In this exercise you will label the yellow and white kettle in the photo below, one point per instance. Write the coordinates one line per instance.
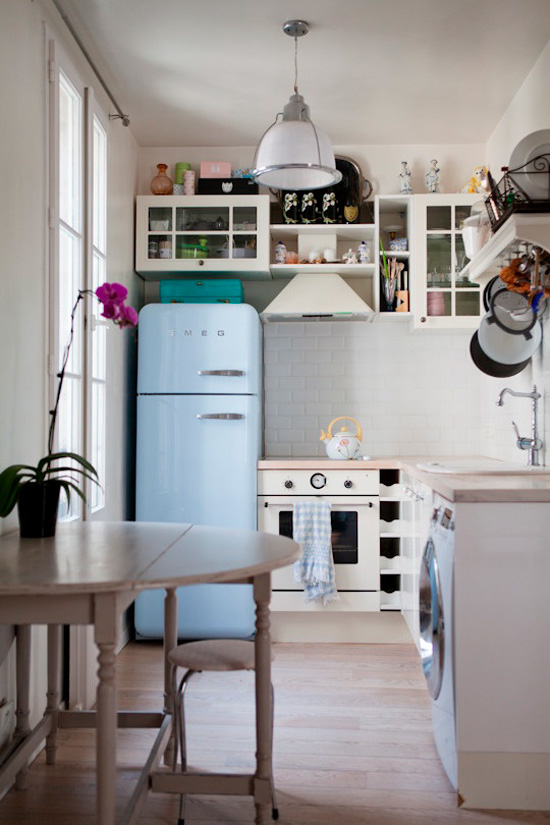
(342, 445)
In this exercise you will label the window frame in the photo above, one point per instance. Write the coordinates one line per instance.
(87, 318)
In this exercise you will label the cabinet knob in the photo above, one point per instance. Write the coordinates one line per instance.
(289, 484)
(348, 484)
(422, 320)
(201, 262)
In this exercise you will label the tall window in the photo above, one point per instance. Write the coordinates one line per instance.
(78, 206)
(99, 325)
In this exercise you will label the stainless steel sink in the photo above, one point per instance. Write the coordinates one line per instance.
(486, 466)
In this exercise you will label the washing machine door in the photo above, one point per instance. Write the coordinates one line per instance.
(432, 624)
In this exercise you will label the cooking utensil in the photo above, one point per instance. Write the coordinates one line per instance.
(490, 367)
(512, 311)
(506, 347)
(491, 287)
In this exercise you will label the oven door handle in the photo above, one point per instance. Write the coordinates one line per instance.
(365, 504)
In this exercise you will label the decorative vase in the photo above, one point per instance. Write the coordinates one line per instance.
(37, 509)
(161, 183)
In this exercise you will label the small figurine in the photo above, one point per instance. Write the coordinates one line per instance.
(349, 257)
(363, 253)
(330, 208)
(405, 175)
(291, 208)
(280, 253)
(432, 177)
(477, 183)
(309, 207)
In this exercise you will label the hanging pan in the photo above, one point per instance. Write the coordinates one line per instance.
(490, 367)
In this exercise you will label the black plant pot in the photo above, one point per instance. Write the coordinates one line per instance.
(37, 509)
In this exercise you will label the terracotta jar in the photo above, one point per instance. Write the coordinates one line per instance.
(161, 183)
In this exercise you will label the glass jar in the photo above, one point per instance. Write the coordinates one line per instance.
(161, 183)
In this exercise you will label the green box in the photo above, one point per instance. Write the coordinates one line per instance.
(203, 291)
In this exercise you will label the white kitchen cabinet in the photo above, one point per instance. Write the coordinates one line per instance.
(201, 234)
(416, 508)
(304, 238)
(442, 298)
(393, 218)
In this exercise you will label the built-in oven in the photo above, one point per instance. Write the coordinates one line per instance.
(354, 499)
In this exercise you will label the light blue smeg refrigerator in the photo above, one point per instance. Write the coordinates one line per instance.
(198, 442)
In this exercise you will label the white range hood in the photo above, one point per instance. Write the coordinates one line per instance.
(319, 296)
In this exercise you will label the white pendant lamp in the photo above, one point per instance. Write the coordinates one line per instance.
(293, 153)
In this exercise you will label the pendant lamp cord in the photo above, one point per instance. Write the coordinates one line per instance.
(295, 65)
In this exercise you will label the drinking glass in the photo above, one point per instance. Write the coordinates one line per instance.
(388, 285)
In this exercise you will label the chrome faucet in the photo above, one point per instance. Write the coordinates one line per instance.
(533, 444)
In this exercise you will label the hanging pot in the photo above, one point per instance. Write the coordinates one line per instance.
(490, 367)
(37, 509)
(504, 346)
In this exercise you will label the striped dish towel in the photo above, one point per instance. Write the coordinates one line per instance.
(315, 569)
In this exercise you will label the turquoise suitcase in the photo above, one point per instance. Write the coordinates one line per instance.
(206, 291)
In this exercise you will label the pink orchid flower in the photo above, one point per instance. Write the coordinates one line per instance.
(112, 296)
(114, 293)
(128, 316)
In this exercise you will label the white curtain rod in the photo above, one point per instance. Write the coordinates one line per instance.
(120, 114)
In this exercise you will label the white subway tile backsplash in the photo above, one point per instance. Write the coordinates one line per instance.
(411, 393)
(275, 370)
(292, 383)
(278, 396)
(307, 370)
(315, 356)
(277, 422)
(307, 450)
(292, 408)
(292, 436)
(335, 342)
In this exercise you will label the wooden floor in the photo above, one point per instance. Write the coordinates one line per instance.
(353, 745)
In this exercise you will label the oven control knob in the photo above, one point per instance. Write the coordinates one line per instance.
(318, 480)
(289, 484)
(348, 484)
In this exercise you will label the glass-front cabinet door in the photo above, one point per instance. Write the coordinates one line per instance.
(443, 297)
(202, 233)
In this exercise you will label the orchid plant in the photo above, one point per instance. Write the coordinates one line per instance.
(61, 466)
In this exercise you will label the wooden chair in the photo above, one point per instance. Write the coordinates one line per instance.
(207, 655)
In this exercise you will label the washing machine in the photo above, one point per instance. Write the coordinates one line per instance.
(436, 629)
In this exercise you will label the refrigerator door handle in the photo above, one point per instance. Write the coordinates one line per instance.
(222, 416)
(231, 373)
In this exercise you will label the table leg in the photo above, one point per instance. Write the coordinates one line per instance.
(106, 631)
(170, 641)
(22, 711)
(262, 796)
(54, 676)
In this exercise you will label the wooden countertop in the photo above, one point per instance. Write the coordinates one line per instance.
(521, 486)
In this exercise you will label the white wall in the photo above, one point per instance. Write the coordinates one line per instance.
(23, 273)
(379, 164)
